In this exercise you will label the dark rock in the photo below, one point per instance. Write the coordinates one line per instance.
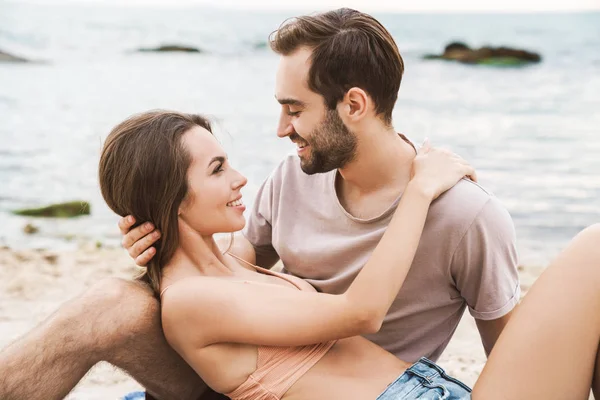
(6, 57)
(30, 229)
(170, 48)
(456, 46)
(498, 56)
(60, 210)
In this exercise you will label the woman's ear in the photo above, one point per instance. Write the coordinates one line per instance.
(185, 203)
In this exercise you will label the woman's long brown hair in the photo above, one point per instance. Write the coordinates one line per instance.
(143, 173)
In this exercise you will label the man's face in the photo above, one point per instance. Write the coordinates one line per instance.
(324, 142)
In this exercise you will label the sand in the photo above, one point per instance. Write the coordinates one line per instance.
(33, 283)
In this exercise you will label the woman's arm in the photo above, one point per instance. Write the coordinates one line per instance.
(210, 310)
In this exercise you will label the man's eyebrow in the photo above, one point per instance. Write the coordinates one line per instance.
(291, 102)
(220, 159)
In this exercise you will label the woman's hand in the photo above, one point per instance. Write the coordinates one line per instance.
(434, 171)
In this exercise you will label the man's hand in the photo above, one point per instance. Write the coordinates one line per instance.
(138, 241)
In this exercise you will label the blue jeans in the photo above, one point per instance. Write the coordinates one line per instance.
(134, 396)
(425, 380)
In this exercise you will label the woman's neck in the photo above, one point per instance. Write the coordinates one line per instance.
(196, 255)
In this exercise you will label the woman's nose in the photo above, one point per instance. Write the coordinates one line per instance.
(240, 181)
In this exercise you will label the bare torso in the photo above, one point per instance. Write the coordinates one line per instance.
(354, 368)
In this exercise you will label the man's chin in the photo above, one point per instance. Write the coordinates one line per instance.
(311, 168)
(307, 167)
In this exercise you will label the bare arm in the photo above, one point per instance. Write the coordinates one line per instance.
(227, 309)
(490, 331)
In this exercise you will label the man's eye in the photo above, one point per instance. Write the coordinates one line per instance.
(293, 113)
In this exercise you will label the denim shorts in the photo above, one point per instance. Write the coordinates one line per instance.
(134, 396)
(425, 380)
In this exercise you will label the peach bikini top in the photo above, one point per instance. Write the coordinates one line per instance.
(277, 368)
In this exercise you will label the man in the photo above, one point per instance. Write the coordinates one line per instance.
(321, 212)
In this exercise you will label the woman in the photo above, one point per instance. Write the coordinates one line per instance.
(255, 334)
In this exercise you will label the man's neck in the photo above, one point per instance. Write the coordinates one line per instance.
(383, 160)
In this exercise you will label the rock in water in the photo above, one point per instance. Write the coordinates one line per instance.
(496, 56)
(30, 229)
(60, 210)
(169, 48)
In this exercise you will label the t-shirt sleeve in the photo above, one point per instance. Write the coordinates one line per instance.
(258, 229)
(484, 265)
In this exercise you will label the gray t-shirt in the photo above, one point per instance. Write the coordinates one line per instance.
(466, 257)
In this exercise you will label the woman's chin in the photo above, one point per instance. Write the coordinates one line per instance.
(238, 224)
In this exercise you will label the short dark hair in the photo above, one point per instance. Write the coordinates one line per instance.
(349, 49)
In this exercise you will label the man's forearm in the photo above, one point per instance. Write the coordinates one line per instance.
(490, 331)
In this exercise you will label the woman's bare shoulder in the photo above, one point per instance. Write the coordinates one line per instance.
(188, 290)
(192, 302)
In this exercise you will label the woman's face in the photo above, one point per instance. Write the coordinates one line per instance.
(214, 201)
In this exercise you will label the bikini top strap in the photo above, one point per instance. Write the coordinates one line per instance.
(164, 290)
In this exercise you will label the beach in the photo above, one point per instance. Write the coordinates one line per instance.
(532, 132)
(33, 283)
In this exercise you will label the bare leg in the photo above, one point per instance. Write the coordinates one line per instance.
(115, 321)
(48, 361)
(549, 349)
(596, 381)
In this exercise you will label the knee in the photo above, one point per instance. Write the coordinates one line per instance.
(116, 292)
(593, 230)
(590, 237)
(584, 251)
(124, 307)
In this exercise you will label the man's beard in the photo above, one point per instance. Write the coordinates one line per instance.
(332, 145)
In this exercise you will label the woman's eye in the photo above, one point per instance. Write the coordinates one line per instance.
(219, 169)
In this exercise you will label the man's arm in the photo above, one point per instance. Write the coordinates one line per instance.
(490, 331)
(484, 269)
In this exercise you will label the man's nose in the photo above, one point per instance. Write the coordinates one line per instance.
(285, 127)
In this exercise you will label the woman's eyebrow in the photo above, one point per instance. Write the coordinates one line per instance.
(220, 159)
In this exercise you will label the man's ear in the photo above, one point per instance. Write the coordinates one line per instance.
(355, 105)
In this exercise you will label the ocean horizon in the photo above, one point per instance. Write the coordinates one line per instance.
(532, 132)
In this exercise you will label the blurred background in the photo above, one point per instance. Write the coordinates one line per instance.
(531, 131)
(70, 71)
